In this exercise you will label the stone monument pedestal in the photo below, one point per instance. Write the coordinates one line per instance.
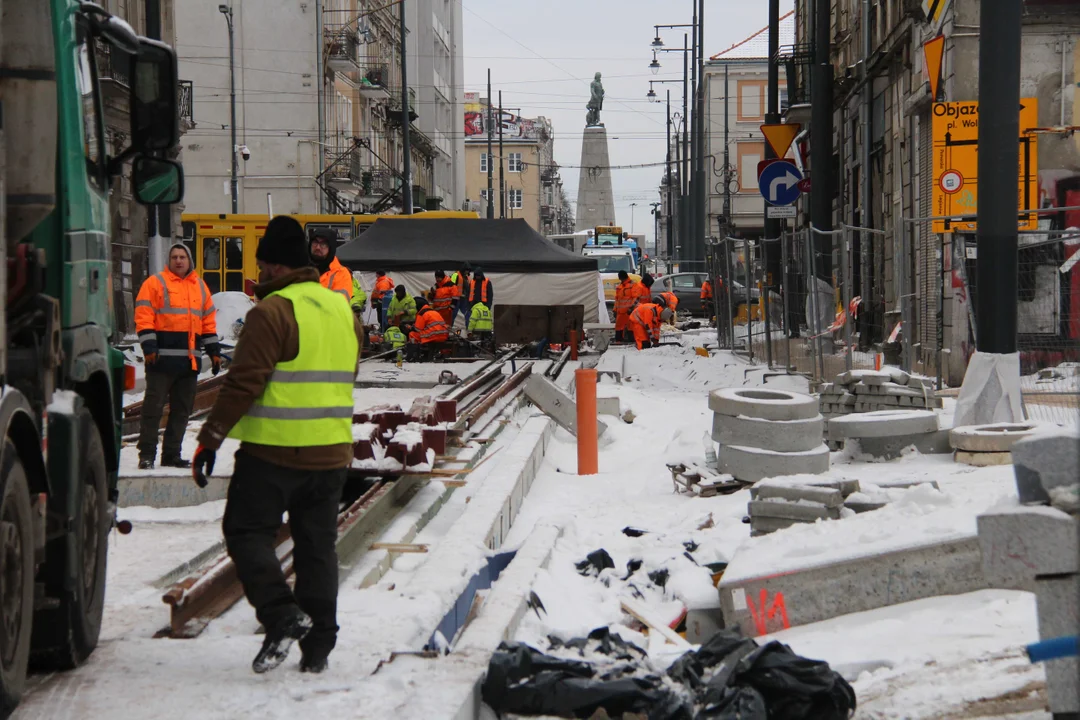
(595, 201)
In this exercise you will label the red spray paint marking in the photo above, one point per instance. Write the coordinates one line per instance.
(768, 611)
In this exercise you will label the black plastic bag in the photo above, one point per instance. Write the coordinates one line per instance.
(732, 703)
(794, 687)
(595, 562)
(603, 641)
(523, 680)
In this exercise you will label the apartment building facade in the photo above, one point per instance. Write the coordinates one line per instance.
(319, 105)
(532, 185)
(908, 272)
(736, 83)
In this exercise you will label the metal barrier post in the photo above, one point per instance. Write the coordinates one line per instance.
(845, 274)
(749, 307)
(765, 299)
(730, 309)
(786, 292)
(811, 277)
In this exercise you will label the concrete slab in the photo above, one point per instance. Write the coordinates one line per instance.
(765, 525)
(1048, 460)
(827, 496)
(556, 403)
(754, 464)
(782, 436)
(167, 491)
(1057, 600)
(1022, 542)
(803, 511)
(773, 602)
(608, 405)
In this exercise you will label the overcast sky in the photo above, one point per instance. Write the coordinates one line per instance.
(543, 55)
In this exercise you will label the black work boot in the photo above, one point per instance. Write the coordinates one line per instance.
(146, 463)
(174, 461)
(279, 640)
(313, 664)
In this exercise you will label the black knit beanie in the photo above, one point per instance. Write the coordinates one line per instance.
(284, 243)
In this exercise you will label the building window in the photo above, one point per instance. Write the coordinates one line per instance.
(750, 154)
(483, 195)
(483, 162)
(751, 100)
(513, 163)
(516, 199)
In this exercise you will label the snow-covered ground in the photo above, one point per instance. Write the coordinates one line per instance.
(950, 657)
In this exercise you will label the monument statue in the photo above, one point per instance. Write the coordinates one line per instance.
(596, 102)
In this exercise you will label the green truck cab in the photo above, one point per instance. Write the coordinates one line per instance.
(60, 380)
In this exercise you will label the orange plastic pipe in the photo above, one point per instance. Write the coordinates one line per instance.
(587, 452)
(573, 345)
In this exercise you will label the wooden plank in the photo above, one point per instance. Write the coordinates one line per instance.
(641, 612)
(400, 547)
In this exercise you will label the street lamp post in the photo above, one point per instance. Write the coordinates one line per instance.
(687, 212)
(406, 120)
(226, 10)
(632, 206)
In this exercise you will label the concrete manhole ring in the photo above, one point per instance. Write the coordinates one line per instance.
(983, 459)
(995, 437)
(763, 404)
(782, 436)
(883, 424)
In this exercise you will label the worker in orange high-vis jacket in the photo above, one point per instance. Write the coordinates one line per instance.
(175, 321)
(384, 288)
(645, 322)
(625, 297)
(480, 290)
(671, 301)
(643, 290)
(443, 296)
(430, 327)
(332, 274)
(707, 298)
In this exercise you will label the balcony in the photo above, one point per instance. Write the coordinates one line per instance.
(373, 84)
(114, 75)
(184, 101)
(796, 60)
(342, 50)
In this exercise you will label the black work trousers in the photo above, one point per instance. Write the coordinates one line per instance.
(178, 389)
(259, 494)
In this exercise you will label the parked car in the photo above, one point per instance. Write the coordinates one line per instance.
(687, 287)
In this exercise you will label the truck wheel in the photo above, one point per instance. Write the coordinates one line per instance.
(16, 578)
(70, 633)
(92, 542)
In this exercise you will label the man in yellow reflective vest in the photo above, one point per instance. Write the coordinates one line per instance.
(482, 325)
(290, 404)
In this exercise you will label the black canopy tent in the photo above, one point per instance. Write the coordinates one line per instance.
(497, 246)
(541, 290)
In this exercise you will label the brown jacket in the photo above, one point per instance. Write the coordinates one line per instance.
(270, 336)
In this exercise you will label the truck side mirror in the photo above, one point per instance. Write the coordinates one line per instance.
(156, 181)
(155, 120)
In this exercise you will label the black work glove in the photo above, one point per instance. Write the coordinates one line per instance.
(202, 465)
(215, 363)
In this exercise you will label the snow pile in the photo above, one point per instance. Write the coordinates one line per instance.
(232, 308)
